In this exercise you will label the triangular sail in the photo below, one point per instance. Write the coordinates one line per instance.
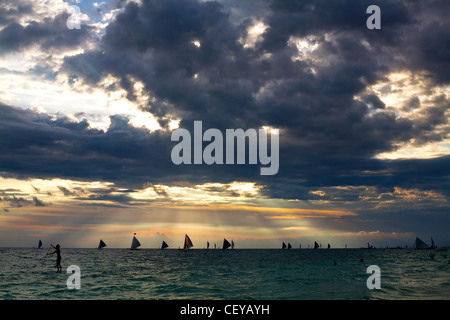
(101, 244)
(316, 245)
(135, 243)
(433, 245)
(283, 246)
(226, 244)
(232, 244)
(207, 244)
(164, 245)
(329, 246)
(40, 244)
(289, 246)
(187, 242)
(419, 244)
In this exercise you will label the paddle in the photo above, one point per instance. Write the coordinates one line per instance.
(45, 258)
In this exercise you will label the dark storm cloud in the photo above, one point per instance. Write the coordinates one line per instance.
(432, 48)
(158, 190)
(51, 33)
(44, 147)
(18, 202)
(302, 18)
(153, 43)
(9, 14)
(66, 191)
(41, 146)
(118, 199)
(161, 53)
(39, 203)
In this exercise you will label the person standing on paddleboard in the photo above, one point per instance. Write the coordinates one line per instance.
(58, 256)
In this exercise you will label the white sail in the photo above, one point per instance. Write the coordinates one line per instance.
(135, 243)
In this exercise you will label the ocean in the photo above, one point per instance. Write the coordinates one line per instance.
(239, 274)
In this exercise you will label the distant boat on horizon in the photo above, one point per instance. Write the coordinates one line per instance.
(369, 246)
(433, 245)
(135, 243)
(289, 246)
(101, 244)
(164, 245)
(329, 246)
(232, 244)
(419, 244)
(283, 246)
(187, 243)
(40, 245)
(226, 244)
(316, 245)
(207, 244)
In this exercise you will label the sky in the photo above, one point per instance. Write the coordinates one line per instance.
(87, 114)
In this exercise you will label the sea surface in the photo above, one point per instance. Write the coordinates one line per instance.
(240, 274)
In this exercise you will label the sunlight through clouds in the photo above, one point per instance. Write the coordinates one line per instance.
(87, 116)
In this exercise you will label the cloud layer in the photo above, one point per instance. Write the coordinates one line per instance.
(341, 95)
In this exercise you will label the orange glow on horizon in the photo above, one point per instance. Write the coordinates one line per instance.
(294, 212)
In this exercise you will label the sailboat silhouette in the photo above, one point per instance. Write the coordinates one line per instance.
(101, 244)
(135, 243)
(226, 244)
(187, 243)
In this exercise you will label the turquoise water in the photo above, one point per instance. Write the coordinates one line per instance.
(260, 274)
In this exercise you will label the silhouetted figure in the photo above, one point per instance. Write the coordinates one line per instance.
(58, 256)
